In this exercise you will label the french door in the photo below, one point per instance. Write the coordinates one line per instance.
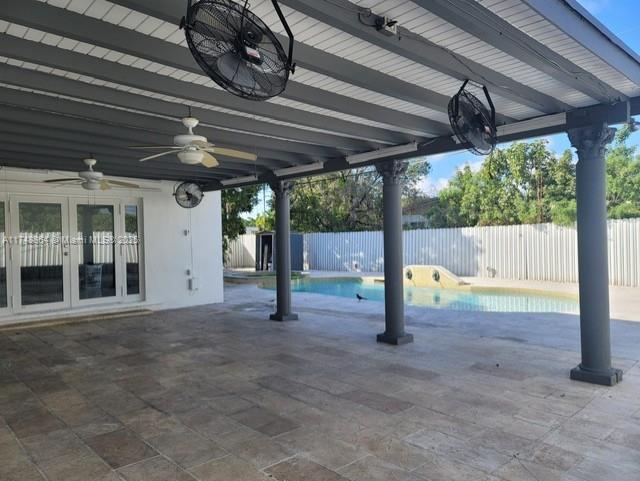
(59, 253)
(39, 253)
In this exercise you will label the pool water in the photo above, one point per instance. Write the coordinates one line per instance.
(495, 300)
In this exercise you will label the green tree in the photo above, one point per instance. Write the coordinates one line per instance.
(234, 203)
(523, 183)
(623, 177)
(343, 201)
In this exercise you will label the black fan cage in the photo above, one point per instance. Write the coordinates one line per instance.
(471, 123)
(219, 32)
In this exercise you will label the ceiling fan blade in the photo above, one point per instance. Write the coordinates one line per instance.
(119, 183)
(52, 181)
(104, 185)
(152, 147)
(155, 156)
(209, 160)
(238, 154)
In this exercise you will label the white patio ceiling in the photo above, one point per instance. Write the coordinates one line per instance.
(93, 76)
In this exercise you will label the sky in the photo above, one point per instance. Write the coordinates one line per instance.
(619, 16)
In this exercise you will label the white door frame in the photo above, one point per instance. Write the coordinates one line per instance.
(136, 201)
(75, 253)
(7, 257)
(16, 291)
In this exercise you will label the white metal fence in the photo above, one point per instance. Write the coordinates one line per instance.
(529, 252)
(544, 252)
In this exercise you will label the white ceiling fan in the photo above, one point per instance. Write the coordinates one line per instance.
(194, 149)
(93, 180)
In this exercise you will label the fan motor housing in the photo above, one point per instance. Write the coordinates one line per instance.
(91, 176)
(187, 139)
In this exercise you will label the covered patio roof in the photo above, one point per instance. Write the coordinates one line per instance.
(80, 77)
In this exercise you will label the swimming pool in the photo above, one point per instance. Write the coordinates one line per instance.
(463, 299)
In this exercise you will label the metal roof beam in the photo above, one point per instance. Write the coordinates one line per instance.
(344, 15)
(64, 86)
(19, 121)
(316, 60)
(475, 19)
(155, 124)
(106, 35)
(598, 40)
(541, 126)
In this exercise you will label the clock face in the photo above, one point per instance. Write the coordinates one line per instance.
(188, 195)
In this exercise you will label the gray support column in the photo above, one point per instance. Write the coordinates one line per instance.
(394, 333)
(281, 190)
(591, 142)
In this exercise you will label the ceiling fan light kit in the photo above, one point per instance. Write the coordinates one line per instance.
(190, 157)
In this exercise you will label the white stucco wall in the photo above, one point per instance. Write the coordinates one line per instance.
(175, 241)
(168, 250)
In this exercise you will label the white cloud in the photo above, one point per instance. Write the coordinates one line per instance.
(475, 166)
(436, 157)
(431, 187)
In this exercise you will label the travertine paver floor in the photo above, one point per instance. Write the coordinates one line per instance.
(218, 393)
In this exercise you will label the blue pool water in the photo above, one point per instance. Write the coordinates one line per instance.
(498, 300)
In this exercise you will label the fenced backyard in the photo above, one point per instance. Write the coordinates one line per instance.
(541, 252)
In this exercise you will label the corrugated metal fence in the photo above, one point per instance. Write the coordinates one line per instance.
(527, 252)
(242, 252)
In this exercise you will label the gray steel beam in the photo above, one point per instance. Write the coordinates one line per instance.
(317, 60)
(581, 117)
(63, 86)
(106, 35)
(595, 324)
(156, 124)
(344, 15)
(570, 17)
(394, 332)
(281, 191)
(54, 57)
(477, 20)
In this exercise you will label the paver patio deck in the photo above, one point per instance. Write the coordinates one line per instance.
(218, 393)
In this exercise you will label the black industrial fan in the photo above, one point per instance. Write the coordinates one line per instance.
(236, 48)
(472, 123)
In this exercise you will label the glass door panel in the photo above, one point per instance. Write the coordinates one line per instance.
(131, 248)
(42, 256)
(96, 251)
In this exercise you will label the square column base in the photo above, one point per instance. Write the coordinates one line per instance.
(394, 340)
(608, 377)
(283, 317)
